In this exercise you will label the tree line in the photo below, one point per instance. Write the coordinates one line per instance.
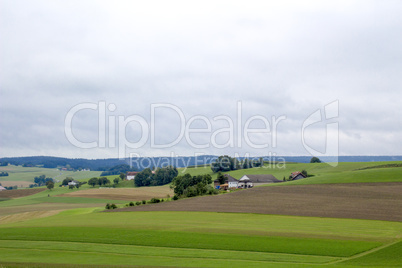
(3, 174)
(161, 176)
(226, 163)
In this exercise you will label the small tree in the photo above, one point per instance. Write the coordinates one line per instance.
(93, 181)
(315, 160)
(304, 172)
(221, 178)
(50, 185)
(71, 187)
(122, 176)
(116, 180)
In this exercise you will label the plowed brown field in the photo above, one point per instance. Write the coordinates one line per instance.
(20, 193)
(375, 201)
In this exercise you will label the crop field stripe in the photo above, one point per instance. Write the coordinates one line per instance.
(387, 255)
(143, 237)
(168, 252)
(76, 257)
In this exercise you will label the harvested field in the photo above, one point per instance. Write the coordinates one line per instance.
(374, 201)
(18, 183)
(27, 216)
(20, 193)
(129, 194)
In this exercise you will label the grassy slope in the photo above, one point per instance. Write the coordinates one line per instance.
(323, 173)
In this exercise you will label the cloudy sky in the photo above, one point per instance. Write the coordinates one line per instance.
(100, 79)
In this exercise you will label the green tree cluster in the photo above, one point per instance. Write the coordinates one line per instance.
(315, 160)
(226, 163)
(188, 186)
(162, 176)
(41, 181)
(98, 181)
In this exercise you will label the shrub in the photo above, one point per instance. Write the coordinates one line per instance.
(154, 200)
(144, 202)
(131, 204)
(138, 203)
(107, 206)
(113, 206)
(175, 197)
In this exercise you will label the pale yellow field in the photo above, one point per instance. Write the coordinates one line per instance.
(20, 184)
(130, 194)
(27, 216)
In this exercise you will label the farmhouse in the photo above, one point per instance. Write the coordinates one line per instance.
(230, 182)
(131, 175)
(73, 183)
(2, 188)
(248, 181)
(297, 176)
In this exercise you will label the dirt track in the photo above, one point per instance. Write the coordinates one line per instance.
(375, 201)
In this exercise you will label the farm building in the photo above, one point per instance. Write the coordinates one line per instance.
(2, 188)
(131, 175)
(297, 176)
(248, 181)
(230, 182)
(73, 183)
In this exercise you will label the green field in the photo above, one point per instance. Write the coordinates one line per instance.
(77, 232)
(197, 239)
(19, 173)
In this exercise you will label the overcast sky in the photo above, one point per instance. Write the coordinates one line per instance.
(274, 59)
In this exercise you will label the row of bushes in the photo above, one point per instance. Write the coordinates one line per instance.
(138, 203)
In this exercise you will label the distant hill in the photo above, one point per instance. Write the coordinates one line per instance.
(181, 161)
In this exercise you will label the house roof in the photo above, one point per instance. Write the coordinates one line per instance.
(295, 174)
(132, 173)
(230, 178)
(2, 188)
(261, 178)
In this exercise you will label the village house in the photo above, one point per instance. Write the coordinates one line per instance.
(73, 183)
(249, 181)
(297, 176)
(2, 188)
(131, 175)
(230, 182)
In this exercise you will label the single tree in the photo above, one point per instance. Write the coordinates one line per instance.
(315, 160)
(116, 180)
(122, 176)
(221, 178)
(50, 185)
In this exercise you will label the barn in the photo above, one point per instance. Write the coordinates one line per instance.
(249, 181)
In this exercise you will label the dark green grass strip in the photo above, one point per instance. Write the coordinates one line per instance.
(141, 237)
(388, 256)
